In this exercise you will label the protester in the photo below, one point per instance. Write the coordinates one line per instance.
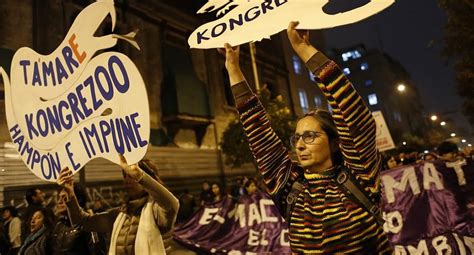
(206, 195)
(448, 151)
(143, 225)
(4, 240)
(71, 240)
(430, 156)
(186, 206)
(391, 161)
(251, 186)
(238, 188)
(217, 192)
(35, 199)
(324, 219)
(40, 240)
(12, 229)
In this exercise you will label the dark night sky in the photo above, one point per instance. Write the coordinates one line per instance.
(410, 32)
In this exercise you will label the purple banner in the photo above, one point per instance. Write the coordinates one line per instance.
(250, 226)
(428, 208)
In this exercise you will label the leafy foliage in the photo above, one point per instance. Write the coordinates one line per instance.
(459, 44)
(234, 143)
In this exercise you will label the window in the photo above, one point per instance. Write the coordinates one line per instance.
(303, 100)
(346, 70)
(296, 64)
(312, 77)
(350, 55)
(318, 102)
(368, 83)
(397, 116)
(364, 66)
(373, 99)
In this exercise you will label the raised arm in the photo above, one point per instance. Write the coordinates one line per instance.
(168, 203)
(101, 222)
(272, 157)
(354, 121)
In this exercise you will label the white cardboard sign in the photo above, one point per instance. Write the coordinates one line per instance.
(383, 138)
(69, 107)
(254, 20)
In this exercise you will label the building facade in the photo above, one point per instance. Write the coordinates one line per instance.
(188, 89)
(377, 78)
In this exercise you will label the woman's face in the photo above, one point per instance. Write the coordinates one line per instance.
(61, 204)
(316, 155)
(392, 163)
(252, 188)
(36, 221)
(216, 190)
(6, 214)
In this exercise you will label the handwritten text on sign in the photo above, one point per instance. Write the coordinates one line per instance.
(69, 107)
(253, 20)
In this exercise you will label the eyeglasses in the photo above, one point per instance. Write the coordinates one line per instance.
(308, 137)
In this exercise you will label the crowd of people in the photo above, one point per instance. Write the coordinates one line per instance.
(447, 151)
(323, 215)
(142, 225)
(214, 192)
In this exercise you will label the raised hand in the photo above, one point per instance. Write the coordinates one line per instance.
(299, 40)
(131, 170)
(65, 180)
(232, 56)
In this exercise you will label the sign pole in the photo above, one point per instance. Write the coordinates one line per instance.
(253, 54)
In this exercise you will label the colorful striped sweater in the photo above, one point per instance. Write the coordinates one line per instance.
(324, 220)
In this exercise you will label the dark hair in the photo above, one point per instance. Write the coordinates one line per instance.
(48, 217)
(325, 120)
(387, 158)
(13, 211)
(221, 191)
(447, 147)
(30, 193)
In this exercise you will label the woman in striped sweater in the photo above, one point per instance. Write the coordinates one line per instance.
(323, 220)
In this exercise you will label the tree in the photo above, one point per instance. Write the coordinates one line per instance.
(234, 142)
(459, 44)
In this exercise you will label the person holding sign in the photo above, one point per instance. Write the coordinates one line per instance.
(323, 217)
(142, 224)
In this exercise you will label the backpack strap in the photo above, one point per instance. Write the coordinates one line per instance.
(296, 189)
(349, 185)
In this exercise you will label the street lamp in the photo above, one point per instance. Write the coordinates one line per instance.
(443, 123)
(470, 145)
(404, 143)
(463, 140)
(453, 134)
(434, 117)
(401, 87)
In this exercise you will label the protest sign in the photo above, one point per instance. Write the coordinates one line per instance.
(383, 138)
(428, 208)
(253, 20)
(250, 226)
(69, 107)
